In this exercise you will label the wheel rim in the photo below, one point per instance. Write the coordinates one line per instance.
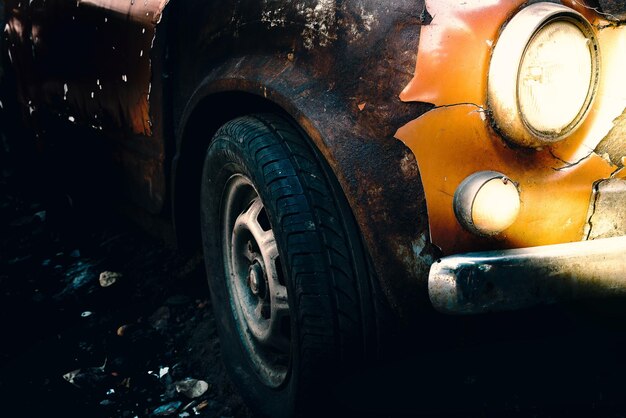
(256, 286)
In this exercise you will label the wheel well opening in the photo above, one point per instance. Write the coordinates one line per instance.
(207, 117)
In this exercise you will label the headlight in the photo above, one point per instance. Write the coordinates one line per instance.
(543, 74)
(486, 203)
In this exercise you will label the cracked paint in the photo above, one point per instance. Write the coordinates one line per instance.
(456, 139)
(607, 213)
(613, 10)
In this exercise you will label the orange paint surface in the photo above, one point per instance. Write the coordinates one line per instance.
(455, 139)
(555, 195)
(454, 51)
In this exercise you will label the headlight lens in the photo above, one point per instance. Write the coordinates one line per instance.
(555, 78)
(543, 74)
(486, 203)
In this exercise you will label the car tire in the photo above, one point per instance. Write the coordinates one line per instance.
(286, 267)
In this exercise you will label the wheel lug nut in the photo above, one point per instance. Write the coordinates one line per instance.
(255, 279)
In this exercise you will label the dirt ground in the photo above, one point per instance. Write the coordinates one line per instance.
(72, 347)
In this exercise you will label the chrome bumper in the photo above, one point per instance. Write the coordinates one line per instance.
(514, 279)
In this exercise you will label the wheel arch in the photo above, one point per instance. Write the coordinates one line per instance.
(213, 104)
(377, 174)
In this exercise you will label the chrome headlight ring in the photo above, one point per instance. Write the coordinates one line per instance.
(544, 74)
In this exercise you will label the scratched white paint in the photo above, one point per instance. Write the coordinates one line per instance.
(273, 17)
(320, 21)
(356, 29)
(419, 247)
(368, 19)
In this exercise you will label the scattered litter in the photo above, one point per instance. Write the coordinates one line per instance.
(81, 274)
(94, 378)
(22, 221)
(122, 330)
(189, 405)
(162, 372)
(167, 409)
(111, 240)
(192, 388)
(160, 317)
(17, 260)
(200, 406)
(78, 287)
(71, 375)
(107, 278)
(41, 215)
(177, 300)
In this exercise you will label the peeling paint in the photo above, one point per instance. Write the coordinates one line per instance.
(368, 19)
(319, 27)
(274, 17)
(613, 144)
(455, 140)
(607, 212)
(363, 22)
(421, 251)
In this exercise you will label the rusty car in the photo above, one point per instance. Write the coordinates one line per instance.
(346, 162)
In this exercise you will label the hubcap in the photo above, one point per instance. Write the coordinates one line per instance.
(256, 279)
(258, 294)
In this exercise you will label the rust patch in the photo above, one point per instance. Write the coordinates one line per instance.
(613, 9)
(456, 139)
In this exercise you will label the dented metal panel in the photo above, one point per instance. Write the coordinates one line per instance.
(520, 278)
(457, 138)
(89, 62)
(336, 68)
